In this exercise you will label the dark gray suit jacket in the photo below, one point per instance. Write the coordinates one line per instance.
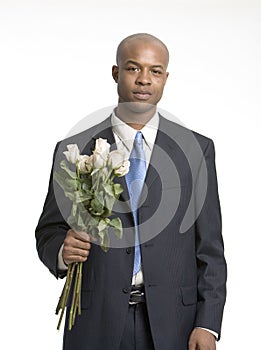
(182, 248)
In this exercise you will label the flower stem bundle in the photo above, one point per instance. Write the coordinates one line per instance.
(91, 189)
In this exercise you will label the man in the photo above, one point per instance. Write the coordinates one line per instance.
(175, 298)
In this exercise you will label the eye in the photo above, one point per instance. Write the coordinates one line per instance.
(156, 72)
(133, 69)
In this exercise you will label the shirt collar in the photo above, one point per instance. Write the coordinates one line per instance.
(127, 134)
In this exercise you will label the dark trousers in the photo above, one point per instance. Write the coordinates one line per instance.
(137, 334)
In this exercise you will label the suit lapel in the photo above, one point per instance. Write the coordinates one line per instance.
(161, 154)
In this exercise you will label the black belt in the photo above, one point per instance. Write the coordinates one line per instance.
(137, 295)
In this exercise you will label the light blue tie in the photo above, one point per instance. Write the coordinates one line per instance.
(135, 180)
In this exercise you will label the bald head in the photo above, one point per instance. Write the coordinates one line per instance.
(140, 38)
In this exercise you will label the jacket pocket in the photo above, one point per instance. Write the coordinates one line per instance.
(189, 295)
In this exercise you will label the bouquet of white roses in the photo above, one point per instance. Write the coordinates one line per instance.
(92, 191)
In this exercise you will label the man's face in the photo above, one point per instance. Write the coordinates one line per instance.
(141, 74)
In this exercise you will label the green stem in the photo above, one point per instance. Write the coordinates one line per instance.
(108, 176)
(74, 304)
(65, 293)
(76, 297)
(79, 291)
(77, 170)
(98, 181)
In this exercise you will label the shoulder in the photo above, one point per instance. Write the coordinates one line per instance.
(86, 137)
(88, 133)
(85, 140)
(183, 134)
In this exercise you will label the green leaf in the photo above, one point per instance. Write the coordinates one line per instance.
(117, 189)
(74, 209)
(71, 184)
(117, 225)
(104, 239)
(109, 202)
(60, 179)
(72, 221)
(100, 197)
(64, 166)
(109, 189)
(86, 185)
(96, 207)
(81, 224)
(93, 223)
(102, 225)
(68, 185)
(79, 197)
(69, 194)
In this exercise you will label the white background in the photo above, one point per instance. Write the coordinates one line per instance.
(55, 68)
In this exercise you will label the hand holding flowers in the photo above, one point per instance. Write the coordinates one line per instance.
(92, 191)
(76, 247)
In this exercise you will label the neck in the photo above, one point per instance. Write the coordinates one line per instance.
(135, 115)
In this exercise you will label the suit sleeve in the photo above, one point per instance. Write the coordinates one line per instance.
(211, 262)
(51, 229)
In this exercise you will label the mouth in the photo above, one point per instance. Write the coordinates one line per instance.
(142, 95)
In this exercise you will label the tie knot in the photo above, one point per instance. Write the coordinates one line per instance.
(138, 137)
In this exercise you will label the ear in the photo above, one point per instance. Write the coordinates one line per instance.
(115, 71)
(166, 77)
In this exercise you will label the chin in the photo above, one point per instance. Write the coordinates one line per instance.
(139, 107)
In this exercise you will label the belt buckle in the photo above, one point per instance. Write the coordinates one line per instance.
(138, 293)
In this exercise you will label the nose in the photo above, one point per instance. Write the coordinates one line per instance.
(143, 78)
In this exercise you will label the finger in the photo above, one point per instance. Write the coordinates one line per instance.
(75, 255)
(74, 259)
(75, 251)
(74, 242)
(79, 244)
(83, 236)
(80, 235)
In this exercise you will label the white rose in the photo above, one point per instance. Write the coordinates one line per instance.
(73, 153)
(85, 164)
(89, 163)
(98, 160)
(100, 153)
(123, 169)
(116, 158)
(102, 147)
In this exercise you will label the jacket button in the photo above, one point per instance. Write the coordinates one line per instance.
(125, 290)
(128, 250)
